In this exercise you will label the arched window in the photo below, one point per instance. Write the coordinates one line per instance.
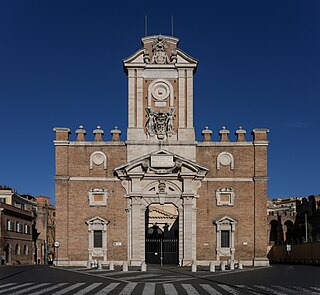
(17, 249)
(26, 250)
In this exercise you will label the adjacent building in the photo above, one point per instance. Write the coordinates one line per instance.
(16, 234)
(160, 196)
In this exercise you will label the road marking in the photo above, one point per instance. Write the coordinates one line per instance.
(108, 289)
(249, 289)
(16, 287)
(128, 289)
(6, 285)
(88, 289)
(48, 289)
(210, 289)
(149, 288)
(66, 290)
(144, 276)
(284, 289)
(37, 286)
(307, 291)
(272, 291)
(170, 289)
(190, 289)
(229, 289)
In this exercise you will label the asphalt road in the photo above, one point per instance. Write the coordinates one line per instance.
(277, 279)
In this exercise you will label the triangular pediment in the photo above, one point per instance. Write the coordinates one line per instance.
(160, 162)
(97, 220)
(225, 219)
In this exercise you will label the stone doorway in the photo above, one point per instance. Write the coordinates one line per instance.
(162, 234)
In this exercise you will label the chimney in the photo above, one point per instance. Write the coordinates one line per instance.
(206, 134)
(224, 134)
(81, 134)
(98, 134)
(62, 134)
(115, 134)
(240, 133)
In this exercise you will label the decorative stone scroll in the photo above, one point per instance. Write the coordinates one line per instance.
(160, 124)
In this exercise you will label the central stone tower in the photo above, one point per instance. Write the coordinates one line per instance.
(160, 98)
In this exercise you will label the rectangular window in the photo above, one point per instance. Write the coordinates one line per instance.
(225, 239)
(18, 227)
(97, 238)
(26, 229)
(10, 225)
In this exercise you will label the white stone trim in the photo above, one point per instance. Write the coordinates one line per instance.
(160, 74)
(139, 99)
(228, 179)
(97, 223)
(182, 96)
(90, 178)
(154, 82)
(222, 156)
(98, 191)
(98, 158)
(229, 224)
(230, 192)
(189, 95)
(219, 143)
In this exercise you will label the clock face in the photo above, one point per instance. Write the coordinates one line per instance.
(160, 91)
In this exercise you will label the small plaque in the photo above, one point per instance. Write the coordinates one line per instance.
(162, 161)
(115, 244)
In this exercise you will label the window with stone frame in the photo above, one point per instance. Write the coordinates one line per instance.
(98, 197)
(225, 196)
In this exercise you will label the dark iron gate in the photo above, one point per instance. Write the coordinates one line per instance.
(162, 251)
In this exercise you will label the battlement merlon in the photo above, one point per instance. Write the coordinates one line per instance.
(62, 134)
(260, 136)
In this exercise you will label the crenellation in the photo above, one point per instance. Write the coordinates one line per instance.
(224, 134)
(98, 134)
(81, 134)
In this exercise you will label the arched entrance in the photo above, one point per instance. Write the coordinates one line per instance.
(162, 234)
(161, 178)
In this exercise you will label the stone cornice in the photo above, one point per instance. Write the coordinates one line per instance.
(219, 143)
(237, 179)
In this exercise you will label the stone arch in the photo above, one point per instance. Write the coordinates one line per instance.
(98, 158)
(225, 159)
(276, 232)
(288, 231)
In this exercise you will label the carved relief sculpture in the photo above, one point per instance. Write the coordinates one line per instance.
(160, 124)
(159, 50)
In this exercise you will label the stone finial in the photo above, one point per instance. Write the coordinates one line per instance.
(81, 134)
(98, 134)
(62, 134)
(224, 134)
(240, 133)
(260, 134)
(115, 134)
(206, 133)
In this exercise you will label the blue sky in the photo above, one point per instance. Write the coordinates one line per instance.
(61, 66)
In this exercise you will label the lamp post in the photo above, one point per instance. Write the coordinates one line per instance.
(57, 245)
(306, 225)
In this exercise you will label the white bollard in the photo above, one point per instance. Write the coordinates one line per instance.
(111, 265)
(99, 264)
(212, 267)
(240, 266)
(125, 266)
(232, 265)
(193, 267)
(143, 266)
(223, 265)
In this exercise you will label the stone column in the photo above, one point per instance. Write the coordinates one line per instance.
(140, 109)
(137, 233)
(131, 97)
(188, 234)
(189, 111)
(182, 97)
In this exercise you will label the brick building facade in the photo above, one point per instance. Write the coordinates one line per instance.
(210, 197)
